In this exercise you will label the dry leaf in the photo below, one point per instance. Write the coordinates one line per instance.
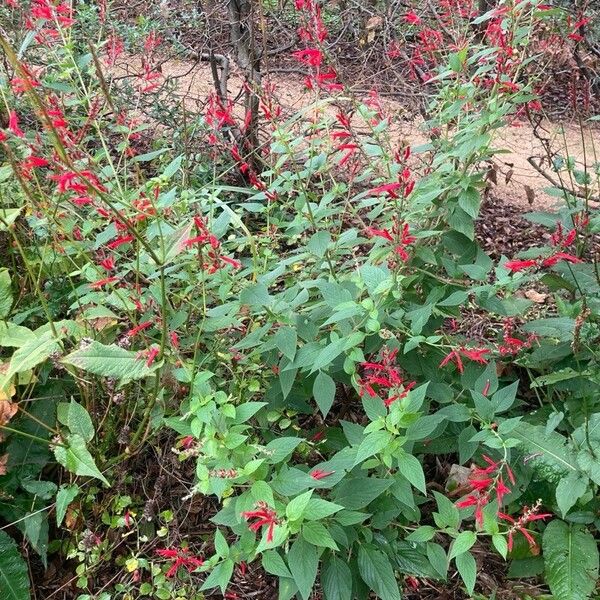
(7, 411)
(101, 323)
(491, 175)
(536, 297)
(3, 464)
(530, 194)
(508, 176)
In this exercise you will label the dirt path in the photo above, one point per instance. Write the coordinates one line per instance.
(518, 182)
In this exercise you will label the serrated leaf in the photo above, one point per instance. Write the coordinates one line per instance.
(317, 534)
(377, 572)
(296, 506)
(274, 564)
(35, 351)
(373, 443)
(6, 297)
(410, 467)
(303, 560)
(336, 580)
(569, 490)
(286, 340)
(14, 578)
(110, 361)
(75, 457)
(219, 576)
(317, 509)
(65, 495)
(570, 560)
(462, 543)
(324, 392)
(76, 418)
(549, 450)
(467, 568)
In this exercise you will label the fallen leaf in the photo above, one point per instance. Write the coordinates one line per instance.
(530, 194)
(7, 411)
(3, 464)
(508, 176)
(536, 297)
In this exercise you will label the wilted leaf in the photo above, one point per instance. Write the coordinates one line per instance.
(8, 410)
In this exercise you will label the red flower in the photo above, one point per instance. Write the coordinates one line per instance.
(138, 328)
(558, 257)
(385, 376)
(454, 357)
(309, 56)
(388, 188)
(180, 557)
(152, 353)
(108, 263)
(13, 124)
(412, 18)
(383, 233)
(319, 474)
(529, 515)
(519, 265)
(120, 241)
(475, 354)
(102, 282)
(264, 515)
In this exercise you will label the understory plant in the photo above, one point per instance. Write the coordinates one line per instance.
(309, 326)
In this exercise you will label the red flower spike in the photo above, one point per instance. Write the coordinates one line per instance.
(13, 125)
(180, 557)
(519, 265)
(319, 474)
(264, 515)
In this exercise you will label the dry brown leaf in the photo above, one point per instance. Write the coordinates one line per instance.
(508, 176)
(101, 323)
(3, 464)
(491, 175)
(530, 194)
(7, 411)
(537, 297)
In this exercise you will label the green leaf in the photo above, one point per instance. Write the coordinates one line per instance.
(317, 509)
(172, 167)
(500, 544)
(6, 297)
(14, 578)
(550, 450)
(328, 354)
(377, 572)
(469, 200)
(303, 560)
(76, 418)
(32, 353)
(570, 561)
(318, 535)
(373, 443)
(411, 468)
(279, 449)
(319, 242)
(569, 490)
(219, 576)
(467, 567)
(286, 340)
(273, 563)
(447, 515)
(357, 493)
(14, 335)
(336, 580)
(324, 392)
(65, 495)
(110, 361)
(295, 507)
(175, 242)
(77, 459)
(462, 543)
(8, 216)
